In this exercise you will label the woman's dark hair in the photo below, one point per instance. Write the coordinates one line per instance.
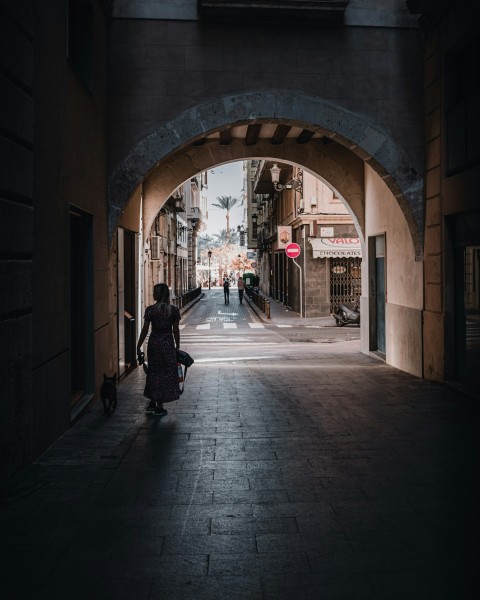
(161, 294)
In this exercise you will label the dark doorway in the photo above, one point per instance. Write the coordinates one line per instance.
(467, 315)
(462, 301)
(127, 300)
(345, 281)
(377, 293)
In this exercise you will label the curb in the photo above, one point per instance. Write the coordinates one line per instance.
(257, 312)
(186, 308)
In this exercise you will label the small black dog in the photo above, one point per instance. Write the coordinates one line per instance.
(108, 393)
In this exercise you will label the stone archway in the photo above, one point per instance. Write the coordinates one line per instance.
(363, 141)
(336, 165)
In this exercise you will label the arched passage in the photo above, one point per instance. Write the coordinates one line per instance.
(350, 154)
(340, 168)
(357, 140)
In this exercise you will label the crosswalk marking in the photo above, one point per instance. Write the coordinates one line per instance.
(230, 325)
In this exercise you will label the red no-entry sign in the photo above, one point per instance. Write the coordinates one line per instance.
(292, 250)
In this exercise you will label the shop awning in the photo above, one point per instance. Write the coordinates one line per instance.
(335, 247)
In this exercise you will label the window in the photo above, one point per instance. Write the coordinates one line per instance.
(462, 95)
(80, 39)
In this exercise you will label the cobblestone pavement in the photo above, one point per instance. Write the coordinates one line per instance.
(333, 478)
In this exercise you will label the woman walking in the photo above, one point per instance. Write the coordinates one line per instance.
(164, 341)
(241, 288)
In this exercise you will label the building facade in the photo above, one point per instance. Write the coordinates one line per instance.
(300, 208)
(113, 106)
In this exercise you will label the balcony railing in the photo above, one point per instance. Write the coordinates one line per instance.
(184, 299)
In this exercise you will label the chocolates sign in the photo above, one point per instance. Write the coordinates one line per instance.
(335, 247)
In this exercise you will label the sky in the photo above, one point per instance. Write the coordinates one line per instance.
(224, 180)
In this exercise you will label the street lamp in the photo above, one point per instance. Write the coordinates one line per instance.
(209, 275)
(254, 226)
(241, 265)
(242, 233)
(295, 183)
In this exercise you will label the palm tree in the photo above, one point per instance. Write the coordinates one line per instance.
(226, 203)
(224, 238)
(204, 241)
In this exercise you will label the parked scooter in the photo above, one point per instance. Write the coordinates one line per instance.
(345, 314)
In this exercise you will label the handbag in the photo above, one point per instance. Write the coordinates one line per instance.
(183, 358)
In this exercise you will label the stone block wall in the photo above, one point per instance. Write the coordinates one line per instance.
(16, 233)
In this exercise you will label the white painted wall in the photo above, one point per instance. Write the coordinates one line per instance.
(404, 278)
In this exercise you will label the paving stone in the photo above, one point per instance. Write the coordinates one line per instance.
(304, 490)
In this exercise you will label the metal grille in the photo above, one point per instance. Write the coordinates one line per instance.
(345, 281)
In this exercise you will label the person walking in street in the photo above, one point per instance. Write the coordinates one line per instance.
(226, 290)
(164, 341)
(241, 288)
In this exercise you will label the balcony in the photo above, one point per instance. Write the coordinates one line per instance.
(176, 204)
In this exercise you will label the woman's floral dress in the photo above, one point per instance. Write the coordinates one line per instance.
(162, 377)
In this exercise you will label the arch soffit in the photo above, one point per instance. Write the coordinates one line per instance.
(166, 146)
(333, 164)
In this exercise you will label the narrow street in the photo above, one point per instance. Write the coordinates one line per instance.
(286, 470)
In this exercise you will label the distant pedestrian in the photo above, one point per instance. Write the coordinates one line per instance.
(226, 290)
(241, 288)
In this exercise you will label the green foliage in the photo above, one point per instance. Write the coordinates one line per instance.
(223, 238)
(249, 278)
(226, 203)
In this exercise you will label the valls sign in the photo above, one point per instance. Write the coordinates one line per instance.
(335, 247)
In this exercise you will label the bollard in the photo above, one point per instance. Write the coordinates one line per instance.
(267, 308)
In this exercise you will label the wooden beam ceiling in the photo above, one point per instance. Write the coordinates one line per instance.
(253, 131)
(280, 134)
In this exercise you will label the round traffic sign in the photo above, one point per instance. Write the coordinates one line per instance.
(292, 250)
(253, 265)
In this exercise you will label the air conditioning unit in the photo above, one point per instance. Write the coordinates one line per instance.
(155, 247)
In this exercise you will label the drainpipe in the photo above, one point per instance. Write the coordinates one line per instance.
(305, 266)
(301, 286)
(141, 270)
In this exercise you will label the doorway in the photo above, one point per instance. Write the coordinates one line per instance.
(467, 315)
(345, 281)
(127, 282)
(377, 293)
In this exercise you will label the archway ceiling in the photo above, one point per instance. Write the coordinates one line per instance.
(325, 139)
(252, 132)
(333, 163)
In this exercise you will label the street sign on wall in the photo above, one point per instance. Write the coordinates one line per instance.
(292, 250)
(284, 235)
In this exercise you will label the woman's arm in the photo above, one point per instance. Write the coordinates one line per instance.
(143, 335)
(176, 334)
